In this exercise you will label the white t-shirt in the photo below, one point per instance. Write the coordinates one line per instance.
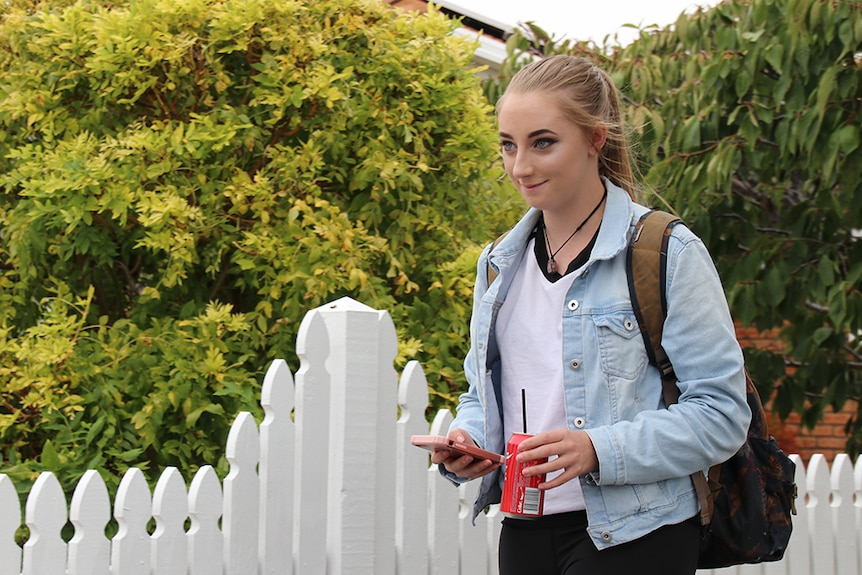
(530, 338)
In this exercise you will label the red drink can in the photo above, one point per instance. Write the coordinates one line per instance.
(522, 497)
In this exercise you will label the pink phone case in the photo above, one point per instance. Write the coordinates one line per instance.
(432, 442)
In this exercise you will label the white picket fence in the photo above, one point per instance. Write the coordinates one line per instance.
(329, 484)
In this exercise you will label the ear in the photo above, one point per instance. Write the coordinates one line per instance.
(598, 137)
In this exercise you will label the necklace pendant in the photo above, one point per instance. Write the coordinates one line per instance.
(552, 266)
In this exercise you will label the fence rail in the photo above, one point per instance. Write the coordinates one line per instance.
(329, 484)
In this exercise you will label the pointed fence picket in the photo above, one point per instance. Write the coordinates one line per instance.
(328, 484)
(89, 549)
(10, 520)
(206, 546)
(276, 471)
(45, 550)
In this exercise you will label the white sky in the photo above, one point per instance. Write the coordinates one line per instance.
(581, 19)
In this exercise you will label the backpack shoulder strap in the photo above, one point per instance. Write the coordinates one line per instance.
(646, 267)
(492, 274)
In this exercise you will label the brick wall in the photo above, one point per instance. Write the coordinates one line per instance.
(828, 437)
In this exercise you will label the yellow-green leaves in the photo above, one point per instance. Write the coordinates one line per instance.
(183, 158)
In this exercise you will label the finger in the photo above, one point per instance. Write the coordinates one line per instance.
(540, 452)
(544, 467)
(439, 456)
(481, 467)
(460, 466)
(461, 436)
(540, 439)
(558, 480)
(476, 468)
(533, 442)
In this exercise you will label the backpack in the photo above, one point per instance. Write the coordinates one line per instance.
(746, 502)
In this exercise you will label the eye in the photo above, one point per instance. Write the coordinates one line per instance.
(507, 146)
(544, 143)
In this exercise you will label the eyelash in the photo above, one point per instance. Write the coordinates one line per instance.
(540, 144)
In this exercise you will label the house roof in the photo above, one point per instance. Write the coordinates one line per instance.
(492, 34)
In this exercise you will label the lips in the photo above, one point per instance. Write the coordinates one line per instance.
(531, 186)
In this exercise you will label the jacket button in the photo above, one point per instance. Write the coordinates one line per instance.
(574, 305)
(575, 364)
(580, 422)
(606, 536)
(629, 324)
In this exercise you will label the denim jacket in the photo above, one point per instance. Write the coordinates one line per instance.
(645, 451)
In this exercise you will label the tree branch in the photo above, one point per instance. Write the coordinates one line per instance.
(816, 306)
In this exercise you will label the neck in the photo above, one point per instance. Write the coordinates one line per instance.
(573, 245)
(560, 224)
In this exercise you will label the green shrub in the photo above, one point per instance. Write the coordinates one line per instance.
(182, 181)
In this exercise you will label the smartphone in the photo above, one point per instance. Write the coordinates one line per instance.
(432, 442)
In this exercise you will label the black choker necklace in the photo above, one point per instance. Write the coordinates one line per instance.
(552, 263)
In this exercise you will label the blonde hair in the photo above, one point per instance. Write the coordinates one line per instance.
(587, 97)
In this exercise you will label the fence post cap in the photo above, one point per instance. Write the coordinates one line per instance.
(345, 304)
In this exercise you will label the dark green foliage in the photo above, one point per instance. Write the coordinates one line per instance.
(753, 111)
(747, 118)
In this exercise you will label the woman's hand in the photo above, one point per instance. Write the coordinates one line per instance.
(574, 452)
(462, 466)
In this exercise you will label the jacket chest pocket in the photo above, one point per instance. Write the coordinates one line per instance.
(621, 347)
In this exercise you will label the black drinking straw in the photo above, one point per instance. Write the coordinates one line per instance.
(524, 408)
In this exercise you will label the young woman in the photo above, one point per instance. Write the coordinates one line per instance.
(557, 323)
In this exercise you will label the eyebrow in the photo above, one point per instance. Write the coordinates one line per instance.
(531, 134)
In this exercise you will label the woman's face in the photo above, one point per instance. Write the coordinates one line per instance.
(550, 159)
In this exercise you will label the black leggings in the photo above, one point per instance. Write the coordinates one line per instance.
(559, 545)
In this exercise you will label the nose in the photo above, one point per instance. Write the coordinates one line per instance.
(521, 166)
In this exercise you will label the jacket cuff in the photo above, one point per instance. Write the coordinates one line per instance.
(610, 470)
(454, 479)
